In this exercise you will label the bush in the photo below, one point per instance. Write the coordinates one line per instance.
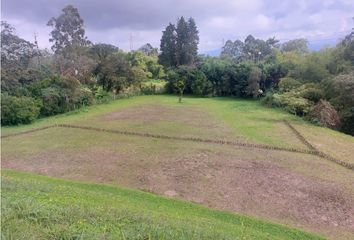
(52, 101)
(268, 100)
(293, 104)
(287, 84)
(343, 91)
(18, 110)
(348, 121)
(201, 86)
(83, 97)
(312, 94)
(102, 96)
(153, 87)
(290, 102)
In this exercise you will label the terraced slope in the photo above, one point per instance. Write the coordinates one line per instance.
(224, 153)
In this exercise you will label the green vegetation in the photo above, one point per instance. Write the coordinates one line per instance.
(18, 110)
(80, 73)
(45, 208)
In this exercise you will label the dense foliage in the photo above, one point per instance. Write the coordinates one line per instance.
(16, 110)
(38, 83)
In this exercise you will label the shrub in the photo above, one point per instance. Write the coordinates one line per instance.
(52, 101)
(153, 87)
(296, 105)
(201, 86)
(84, 96)
(268, 99)
(287, 84)
(292, 103)
(312, 94)
(325, 114)
(343, 91)
(18, 110)
(348, 121)
(102, 96)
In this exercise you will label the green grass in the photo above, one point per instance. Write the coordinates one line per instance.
(245, 119)
(38, 207)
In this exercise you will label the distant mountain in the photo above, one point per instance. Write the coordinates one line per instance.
(213, 53)
(313, 46)
(318, 45)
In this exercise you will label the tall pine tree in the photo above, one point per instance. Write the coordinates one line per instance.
(193, 41)
(167, 57)
(182, 42)
(179, 45)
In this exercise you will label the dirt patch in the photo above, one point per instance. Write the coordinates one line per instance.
(258, 188)
(94, 165)
(171, 193)
(257, 182)
(152, 113)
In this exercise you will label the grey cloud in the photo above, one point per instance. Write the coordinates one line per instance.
(112, 21)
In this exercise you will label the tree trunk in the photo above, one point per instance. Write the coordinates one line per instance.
(180, 96)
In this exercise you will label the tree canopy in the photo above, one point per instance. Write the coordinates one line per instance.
(68, 29)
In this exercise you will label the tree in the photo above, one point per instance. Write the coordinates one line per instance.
(77, 64)
(256, 49)
(274, 43)
(148, 50)
(201, 86)
(115, 73)
(167, 57)
(253, 82)
(16, 54)
(348, 47)
(182, 39)
(296, 45)
(68, 30)
(233, 50)
(101, 51)
(180, 84)
(193, 40)
(343, 91)
(251, 49)
(228, 50)
(15, 51)
(186, 42)
(179, 45)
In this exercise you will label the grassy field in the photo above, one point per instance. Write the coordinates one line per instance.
(296, 189)
(211, 118)
(36, 207)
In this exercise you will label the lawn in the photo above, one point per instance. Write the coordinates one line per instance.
(296, 189)
(217, 118)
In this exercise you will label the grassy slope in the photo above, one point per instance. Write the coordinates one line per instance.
(255, 124)
(249, 121)
(37, 207)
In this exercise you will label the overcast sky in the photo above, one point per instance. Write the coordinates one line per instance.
(113, 21)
